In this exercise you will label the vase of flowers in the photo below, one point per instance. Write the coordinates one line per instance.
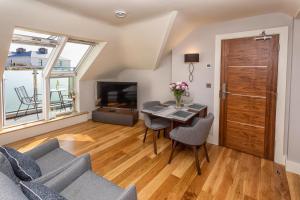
(73, 97)
(178, 89)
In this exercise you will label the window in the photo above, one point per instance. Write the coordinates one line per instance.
(28, 33)
(61, 96)
(25, 74)
(62, 77)
(72, 55)
(23, 83)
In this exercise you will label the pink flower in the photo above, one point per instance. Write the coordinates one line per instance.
(178, 86)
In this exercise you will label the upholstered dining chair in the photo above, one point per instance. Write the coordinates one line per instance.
(155, 124)
(194, 135)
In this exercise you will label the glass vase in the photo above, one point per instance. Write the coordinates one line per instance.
(178, 101)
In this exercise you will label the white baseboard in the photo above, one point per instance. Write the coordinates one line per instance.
(212, 140)
(293, 167)
(23, 133)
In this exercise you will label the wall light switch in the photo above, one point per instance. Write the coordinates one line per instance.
(208, 66)
(208, 85)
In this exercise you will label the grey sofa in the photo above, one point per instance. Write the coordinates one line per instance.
(64, 173)
(78, 182)
(51, 159)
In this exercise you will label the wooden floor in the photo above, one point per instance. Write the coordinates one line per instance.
(119, 155)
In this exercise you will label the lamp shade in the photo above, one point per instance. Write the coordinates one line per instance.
(192, 57)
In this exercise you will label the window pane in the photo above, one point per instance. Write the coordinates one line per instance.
(61, 94)
(27, 56)
(33, 34)
(23, 83)
(71, 56)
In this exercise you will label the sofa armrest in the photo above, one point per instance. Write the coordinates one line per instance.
(70, 174)
(47, 177)
(129, 193)
(43, 149)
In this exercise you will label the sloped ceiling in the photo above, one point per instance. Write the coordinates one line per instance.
(196, 10)
(142, 42)
(151, 29)
(298, 15)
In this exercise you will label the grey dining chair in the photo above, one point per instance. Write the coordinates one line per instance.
(155, 124)
(194, 135)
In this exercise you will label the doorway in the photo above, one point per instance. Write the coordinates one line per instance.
(249, 68)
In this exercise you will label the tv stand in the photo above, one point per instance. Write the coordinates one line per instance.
(120, 116)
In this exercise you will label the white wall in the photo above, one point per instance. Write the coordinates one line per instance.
(152, 84)
(136, 45)
(87, 95)
(202, 41)
(28, 131)
(293, 158)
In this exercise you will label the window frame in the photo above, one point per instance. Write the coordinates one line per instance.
(60, 74)
(57, 42)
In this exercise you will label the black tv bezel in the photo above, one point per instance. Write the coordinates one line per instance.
(116, 82)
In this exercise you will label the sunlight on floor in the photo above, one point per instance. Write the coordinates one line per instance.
(32, 144)
(76, 138)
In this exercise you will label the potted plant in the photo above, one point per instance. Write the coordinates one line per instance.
(178, 89)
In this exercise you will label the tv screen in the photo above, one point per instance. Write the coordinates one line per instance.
(117, 94)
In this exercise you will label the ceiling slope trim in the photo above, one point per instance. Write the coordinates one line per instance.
(298, 14)
(89, 61)
(159, 56)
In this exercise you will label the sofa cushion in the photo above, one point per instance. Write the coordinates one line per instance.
(9, 190)
(89, 186)
(35, 191)
(54, 160)
(24, 166)
(6, 169)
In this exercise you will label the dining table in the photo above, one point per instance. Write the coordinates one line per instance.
(183, 115)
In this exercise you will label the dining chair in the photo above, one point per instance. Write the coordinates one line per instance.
(194, 135)
(155, 124)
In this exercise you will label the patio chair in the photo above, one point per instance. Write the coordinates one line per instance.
(64, 99)
(67, 99)
(26, 100)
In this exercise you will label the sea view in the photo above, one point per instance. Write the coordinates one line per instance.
(17, 78)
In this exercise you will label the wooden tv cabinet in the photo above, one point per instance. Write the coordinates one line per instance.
(118, 116)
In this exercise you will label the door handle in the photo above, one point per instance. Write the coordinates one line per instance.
(223, 92)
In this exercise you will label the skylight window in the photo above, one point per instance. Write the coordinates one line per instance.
(40, 66)
(71, 56)
(33, 34)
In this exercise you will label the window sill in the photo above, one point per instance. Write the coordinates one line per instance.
(32, 124)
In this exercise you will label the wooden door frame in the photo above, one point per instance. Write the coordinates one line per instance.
(281, 86)
(271, 95)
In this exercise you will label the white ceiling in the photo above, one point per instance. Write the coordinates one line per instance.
(150, 31)
(201, 11)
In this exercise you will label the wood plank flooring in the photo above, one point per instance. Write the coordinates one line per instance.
(119, 154)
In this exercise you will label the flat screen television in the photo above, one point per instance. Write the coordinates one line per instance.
(117, 94)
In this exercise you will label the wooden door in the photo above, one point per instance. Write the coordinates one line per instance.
(248, 95)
